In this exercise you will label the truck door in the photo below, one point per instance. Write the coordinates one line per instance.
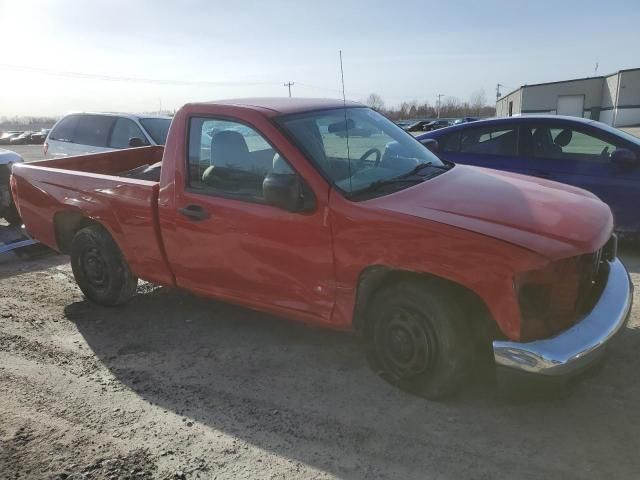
(234, 245)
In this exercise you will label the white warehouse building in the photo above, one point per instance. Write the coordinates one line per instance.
(613, 99)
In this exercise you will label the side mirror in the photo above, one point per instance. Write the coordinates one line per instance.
(283, 190)
(136, 142)
(430, 143)
(624, 156)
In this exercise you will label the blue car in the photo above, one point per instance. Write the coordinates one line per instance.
(572, 150)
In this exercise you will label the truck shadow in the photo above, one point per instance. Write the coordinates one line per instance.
(296, 391)
(29, 259)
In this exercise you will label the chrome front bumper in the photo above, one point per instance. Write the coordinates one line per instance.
(578, 347)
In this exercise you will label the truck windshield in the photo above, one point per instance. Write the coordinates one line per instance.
(358, 149)
(157, 128)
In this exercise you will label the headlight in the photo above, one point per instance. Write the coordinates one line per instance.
(548, 298)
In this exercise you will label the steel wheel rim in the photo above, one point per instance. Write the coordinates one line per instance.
(94, 268)
(406, 344)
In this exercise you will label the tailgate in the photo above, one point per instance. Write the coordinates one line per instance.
(53, 200)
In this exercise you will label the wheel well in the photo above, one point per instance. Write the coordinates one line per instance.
(377, 277)
(67, 224)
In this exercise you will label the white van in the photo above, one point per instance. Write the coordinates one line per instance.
(81, 133)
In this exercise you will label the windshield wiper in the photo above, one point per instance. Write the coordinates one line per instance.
(421, 166)
(372, 187)
(410, 177)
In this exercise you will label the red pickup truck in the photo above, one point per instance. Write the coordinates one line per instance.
(327, 213)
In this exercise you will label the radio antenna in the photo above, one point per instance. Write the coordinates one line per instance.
(346, 124)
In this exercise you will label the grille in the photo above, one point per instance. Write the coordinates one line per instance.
(589, 268)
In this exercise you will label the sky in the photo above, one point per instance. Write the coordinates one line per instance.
(143, 55)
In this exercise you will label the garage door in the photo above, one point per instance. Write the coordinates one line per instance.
(572, 105)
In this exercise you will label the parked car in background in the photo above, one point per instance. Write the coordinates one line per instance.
(23, 139)
(572, 150)
(436, 124)
(458, 121)
(82, 133)
(403, 123)
(431, 262)
(37, 138)
(417, 126)
(7, 207)
(5, 137)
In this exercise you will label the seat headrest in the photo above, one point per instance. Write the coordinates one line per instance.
(563, 138)
(228, 148)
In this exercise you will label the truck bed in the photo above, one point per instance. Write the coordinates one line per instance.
(107, 163)
(52, 194)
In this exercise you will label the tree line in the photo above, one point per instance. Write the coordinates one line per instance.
(26, 123)
(450, 107)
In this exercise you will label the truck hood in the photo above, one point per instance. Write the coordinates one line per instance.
(549, 218)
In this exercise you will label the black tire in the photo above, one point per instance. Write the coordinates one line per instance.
(418, 339)
(12, 216)
(99, 268)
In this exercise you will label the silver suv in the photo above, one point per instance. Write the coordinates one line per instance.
(81, 133)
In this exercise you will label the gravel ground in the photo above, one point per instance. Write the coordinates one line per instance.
(174, 386)
(30, 153)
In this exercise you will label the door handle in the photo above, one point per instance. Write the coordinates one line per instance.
(195, 212)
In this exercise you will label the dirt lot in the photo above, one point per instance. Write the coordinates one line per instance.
(30, 153)
(175, 386)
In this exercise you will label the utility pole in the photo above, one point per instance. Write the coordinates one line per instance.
(440, 95)
(289, 84)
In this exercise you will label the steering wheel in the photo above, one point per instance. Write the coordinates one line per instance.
(367, 154)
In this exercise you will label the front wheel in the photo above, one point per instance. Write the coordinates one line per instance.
(418, 339)
(99, 268)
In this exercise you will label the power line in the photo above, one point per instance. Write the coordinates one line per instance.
(172, 82)
(112, 78)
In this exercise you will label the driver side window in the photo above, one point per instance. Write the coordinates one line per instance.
(230, 159)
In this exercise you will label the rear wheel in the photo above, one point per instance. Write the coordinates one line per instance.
(418, 339)
(99, 268)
